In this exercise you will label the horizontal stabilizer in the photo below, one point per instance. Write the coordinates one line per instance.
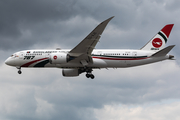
(163, 52)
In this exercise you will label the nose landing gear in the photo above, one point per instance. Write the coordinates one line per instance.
(19, 71)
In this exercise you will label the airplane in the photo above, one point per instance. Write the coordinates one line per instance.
(84, 58)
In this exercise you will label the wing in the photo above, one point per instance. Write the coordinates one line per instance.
(82, 52)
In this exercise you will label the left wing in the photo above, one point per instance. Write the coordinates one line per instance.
(82, 52)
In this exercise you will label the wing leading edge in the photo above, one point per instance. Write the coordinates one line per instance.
(82, 52)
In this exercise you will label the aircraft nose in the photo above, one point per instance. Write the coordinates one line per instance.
(9, 61)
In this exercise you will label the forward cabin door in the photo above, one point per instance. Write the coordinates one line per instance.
(21, 55)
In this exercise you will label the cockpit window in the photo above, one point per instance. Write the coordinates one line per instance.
(14, 55)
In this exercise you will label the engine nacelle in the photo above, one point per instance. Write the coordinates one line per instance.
(70, 72)
(58, 58)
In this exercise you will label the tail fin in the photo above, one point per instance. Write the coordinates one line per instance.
(159, 40)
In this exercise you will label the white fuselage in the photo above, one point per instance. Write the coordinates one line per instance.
(102, 58)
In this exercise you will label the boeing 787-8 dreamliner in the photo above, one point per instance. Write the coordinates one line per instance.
(83, 57)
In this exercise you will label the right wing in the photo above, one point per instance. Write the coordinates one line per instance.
(82, 52)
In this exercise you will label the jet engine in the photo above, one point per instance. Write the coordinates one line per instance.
(58, 58)
(70, 72)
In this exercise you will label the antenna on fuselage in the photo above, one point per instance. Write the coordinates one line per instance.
(58, 48)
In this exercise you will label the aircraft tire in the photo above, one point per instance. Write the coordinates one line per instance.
(19, 72)
(92, 76)
(87, 75)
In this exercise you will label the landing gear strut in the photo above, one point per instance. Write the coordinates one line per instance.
(19, 71)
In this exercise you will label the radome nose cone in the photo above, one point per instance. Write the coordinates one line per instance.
(9, 62)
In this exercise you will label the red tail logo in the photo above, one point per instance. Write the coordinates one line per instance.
(157, 42)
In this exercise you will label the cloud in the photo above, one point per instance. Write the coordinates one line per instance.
(21, 17)
(157, 111)
(47, 95)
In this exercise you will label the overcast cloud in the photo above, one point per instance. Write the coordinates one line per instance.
(140, 93)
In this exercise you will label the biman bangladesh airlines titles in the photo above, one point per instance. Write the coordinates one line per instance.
(83, 57)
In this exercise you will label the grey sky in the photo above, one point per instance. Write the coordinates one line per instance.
(114, 94)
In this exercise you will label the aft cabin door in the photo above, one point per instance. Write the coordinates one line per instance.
(134, 54)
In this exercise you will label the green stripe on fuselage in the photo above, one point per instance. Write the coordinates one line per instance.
(42, 64)
(120, 56)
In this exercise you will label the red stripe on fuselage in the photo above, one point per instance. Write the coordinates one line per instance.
(29, 63)
(106, 58)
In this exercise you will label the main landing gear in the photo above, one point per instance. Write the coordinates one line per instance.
(89, 73)
(19, 71)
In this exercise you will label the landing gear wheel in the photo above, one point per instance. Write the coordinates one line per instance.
(88, 72)
(19, 72)
(87, 75)
(92, 76)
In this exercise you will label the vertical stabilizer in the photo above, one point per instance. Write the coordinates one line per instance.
(158, 42)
